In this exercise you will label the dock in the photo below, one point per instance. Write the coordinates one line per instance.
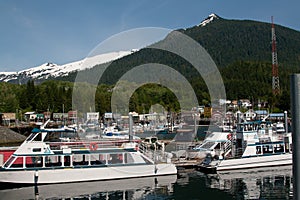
(187, 164)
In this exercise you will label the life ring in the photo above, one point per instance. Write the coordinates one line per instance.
(93, 146)
(229, 136)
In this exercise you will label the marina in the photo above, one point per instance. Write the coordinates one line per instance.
(130, 151)
(150, 165)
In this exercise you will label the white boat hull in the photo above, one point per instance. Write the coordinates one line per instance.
(255, 162)
(64, 175)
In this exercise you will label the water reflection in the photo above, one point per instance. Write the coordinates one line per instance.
(270, 183)
(266, 183)
(137, 188)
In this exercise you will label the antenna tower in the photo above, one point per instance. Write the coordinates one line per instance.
(275, 77)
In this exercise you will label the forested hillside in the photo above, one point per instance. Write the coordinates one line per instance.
(241, 50)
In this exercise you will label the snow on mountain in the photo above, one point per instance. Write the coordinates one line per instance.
(209, 19)
(7, 76)
(48, 70)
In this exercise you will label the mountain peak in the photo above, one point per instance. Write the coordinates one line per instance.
(49, 69)
(209, 19)
(49, 64)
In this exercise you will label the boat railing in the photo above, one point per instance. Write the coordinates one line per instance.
(156, 154)
(88, 145)
(227, 147)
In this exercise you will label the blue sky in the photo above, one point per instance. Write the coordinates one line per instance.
(60, 31)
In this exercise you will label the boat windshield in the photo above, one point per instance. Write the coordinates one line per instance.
(30, 137)
(34, 136)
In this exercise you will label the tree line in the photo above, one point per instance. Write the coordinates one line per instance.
(242, 80)
(56, 96)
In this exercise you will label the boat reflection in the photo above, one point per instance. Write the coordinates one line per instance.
(135, 188)
(265, 183)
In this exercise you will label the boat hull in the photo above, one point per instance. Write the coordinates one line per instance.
(67, 175)
(79, 190)
(255, 162)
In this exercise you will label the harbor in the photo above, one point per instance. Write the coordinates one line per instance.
(189, 144)
(149, 100)
(188, 148)
(267, 182)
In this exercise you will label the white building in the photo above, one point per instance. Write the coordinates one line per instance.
(92, 116)
(249, 115)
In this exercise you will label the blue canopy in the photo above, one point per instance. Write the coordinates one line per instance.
(35, 130)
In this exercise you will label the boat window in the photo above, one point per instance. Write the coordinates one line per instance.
(9, 161)
(250, 127)
(240, 128)
(97, 159)
(79, 160)
(115, 158)
(37, 161)
(14, 162)
(102, 158)
(258, 149)
(36, 149)
(30, 137)
(34, 137)
(267, 149)
(67, 161)
(52, 137)
(128, 158)
(52, 161)
(207, 145)
(278, 148)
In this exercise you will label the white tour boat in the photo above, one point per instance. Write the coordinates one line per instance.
(260, 148)
(38, 161)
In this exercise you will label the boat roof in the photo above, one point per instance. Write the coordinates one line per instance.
(37, 130)
(261, 112)
(217, 136)
(276, 115)
(266, 143)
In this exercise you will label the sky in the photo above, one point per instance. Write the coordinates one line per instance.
(34, 32)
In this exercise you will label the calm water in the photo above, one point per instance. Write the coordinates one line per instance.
(272, 183)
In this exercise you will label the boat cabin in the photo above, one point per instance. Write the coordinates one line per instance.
(34, 153)
(267, 147)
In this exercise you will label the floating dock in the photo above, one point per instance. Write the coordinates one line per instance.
(186, 164)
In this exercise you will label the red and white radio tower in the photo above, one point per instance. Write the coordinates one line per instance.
(275, 77)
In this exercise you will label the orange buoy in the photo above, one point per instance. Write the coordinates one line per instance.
(93, 146)
(229, 136)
